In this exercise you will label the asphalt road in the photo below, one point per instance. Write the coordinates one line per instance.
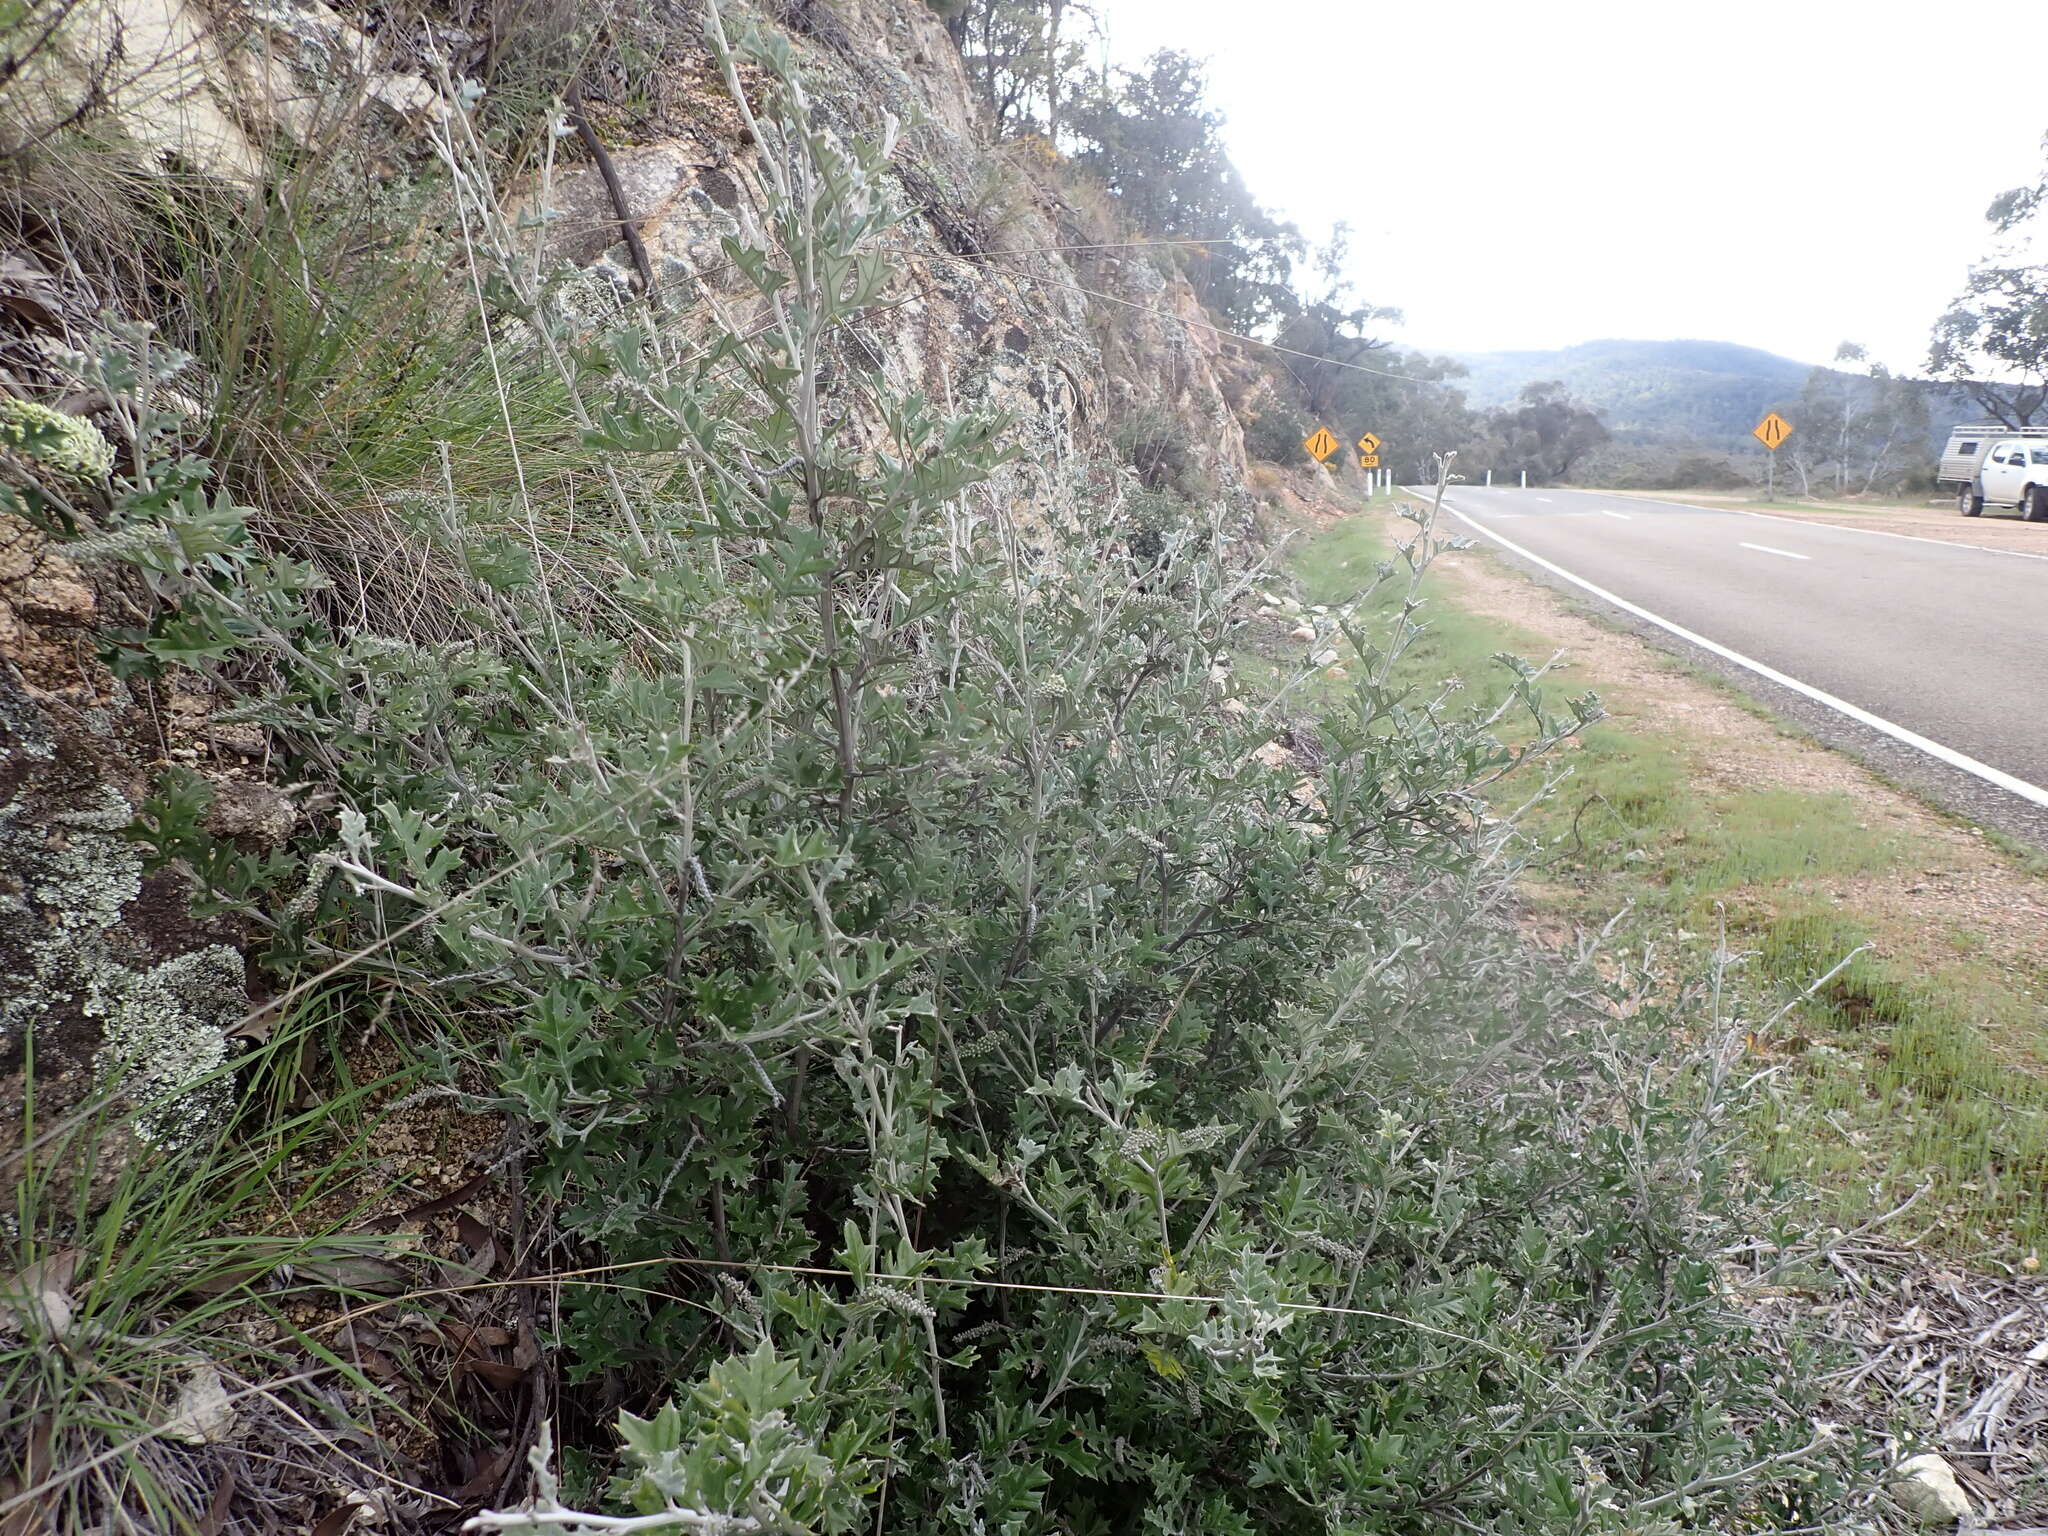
(1937, 641)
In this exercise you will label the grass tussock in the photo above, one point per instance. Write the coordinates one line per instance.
(160, 1345)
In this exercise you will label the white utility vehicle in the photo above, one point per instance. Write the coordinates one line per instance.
(1995, 466)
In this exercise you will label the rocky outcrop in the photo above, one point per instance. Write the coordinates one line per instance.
(214, 88)
(989, 308)
(108, 977)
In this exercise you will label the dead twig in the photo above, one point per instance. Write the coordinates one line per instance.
(572, 99)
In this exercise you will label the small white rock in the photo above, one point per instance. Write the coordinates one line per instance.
(205, 1414)
(409, 96)
(1925, 1487)
(1272, 755)
(1302, 632)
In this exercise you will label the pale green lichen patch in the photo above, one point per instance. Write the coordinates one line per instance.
(162, 1023)
(23, 733)
(165, 1039)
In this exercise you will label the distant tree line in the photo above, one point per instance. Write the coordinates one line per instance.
(1150, 139)
(1855, 432)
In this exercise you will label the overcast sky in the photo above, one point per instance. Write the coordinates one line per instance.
(1535, 174)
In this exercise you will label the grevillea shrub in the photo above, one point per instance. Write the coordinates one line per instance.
(1019, 1084)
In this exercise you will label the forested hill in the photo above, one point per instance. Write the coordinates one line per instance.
(1695, 392)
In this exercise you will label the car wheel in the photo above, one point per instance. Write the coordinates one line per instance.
(1968, 502)
(2034, 504)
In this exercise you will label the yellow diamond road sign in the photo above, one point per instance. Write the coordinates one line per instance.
(1369, 444)
(1321, 443)
(1772, 430)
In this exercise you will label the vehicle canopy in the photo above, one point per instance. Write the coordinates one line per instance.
(1967, 445)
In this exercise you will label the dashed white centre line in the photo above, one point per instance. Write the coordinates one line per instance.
(1620, 517)
(1788, 554)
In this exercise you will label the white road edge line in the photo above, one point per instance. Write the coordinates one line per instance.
(1769, 550)
(1618, 516)
(1990, 775)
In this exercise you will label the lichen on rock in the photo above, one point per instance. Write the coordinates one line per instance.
(165, 1039)
(160, 1023)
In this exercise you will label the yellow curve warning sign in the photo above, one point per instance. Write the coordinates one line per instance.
(1772, 430)
(1321, 443)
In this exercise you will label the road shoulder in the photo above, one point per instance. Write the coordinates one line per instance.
(1926, 1060)
(1919, 774)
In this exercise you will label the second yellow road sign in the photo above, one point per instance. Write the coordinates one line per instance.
(1369, 444)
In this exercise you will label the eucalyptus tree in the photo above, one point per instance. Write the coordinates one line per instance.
(1991, 344)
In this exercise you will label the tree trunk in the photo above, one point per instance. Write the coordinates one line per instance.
(1054, 8)
(1877, 464)
(1996, 406)
(1842, 445)
(988, 62)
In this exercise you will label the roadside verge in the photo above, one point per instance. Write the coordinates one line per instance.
(1925, 1061)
